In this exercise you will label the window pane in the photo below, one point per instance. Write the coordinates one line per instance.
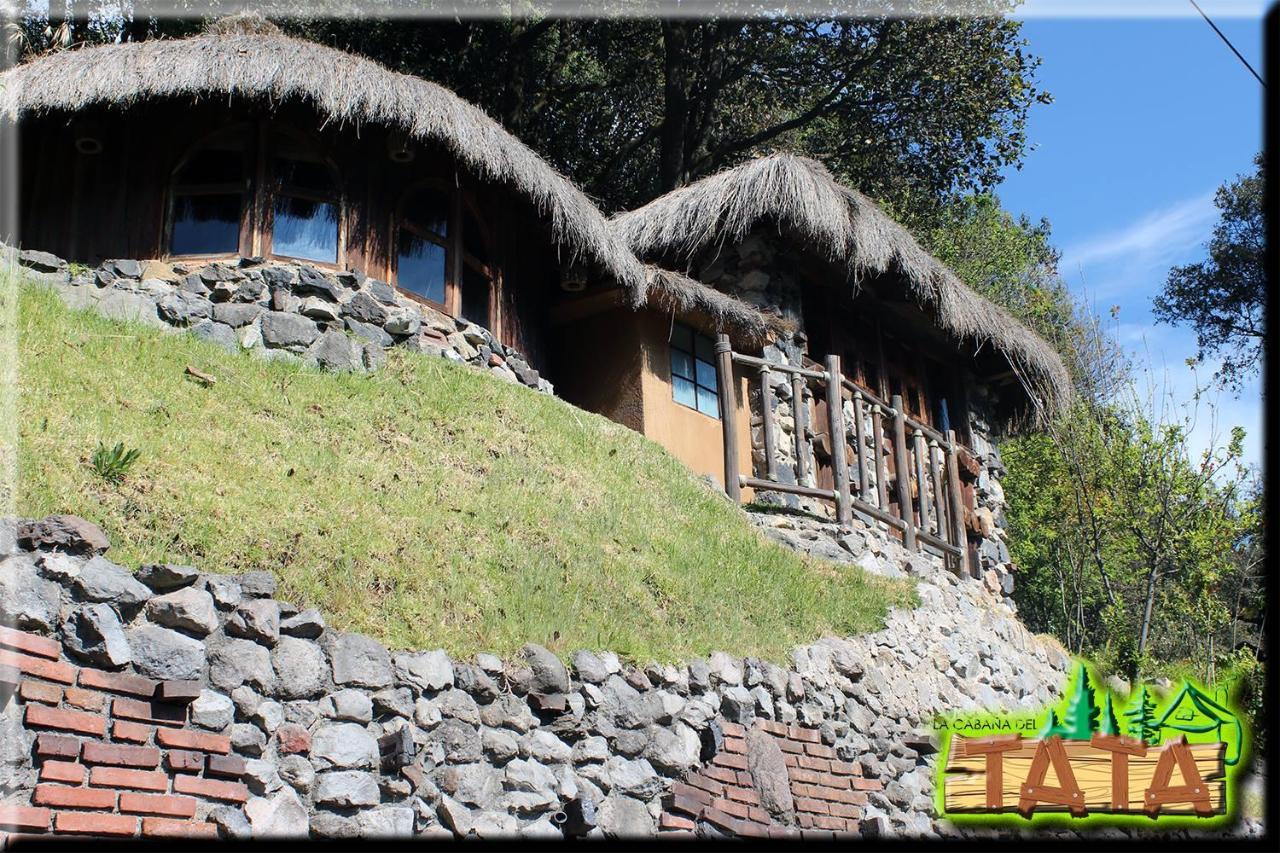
(305, 229)
(708, 403)
(681, 364)
(706, 348)
(420, 267)
(682, 390)
(475, 296)
(206, 225)
(213, 166)
(682, 338)
(428, 209)
(473, 238)
(707, 375)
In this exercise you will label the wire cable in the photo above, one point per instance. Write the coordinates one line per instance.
(1228, 43)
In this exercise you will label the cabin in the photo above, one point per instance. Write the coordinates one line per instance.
(774, 330)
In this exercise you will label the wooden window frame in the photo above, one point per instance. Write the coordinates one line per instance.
(457, 258)
(693, 357)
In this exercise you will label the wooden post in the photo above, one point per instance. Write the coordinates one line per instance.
(839, 451)
(900, 464)
(800, 415)
(939, 500)
(728, 406)
(922, 484)
(882, 470)
(958, 537)
(860, 434)
(767, 426)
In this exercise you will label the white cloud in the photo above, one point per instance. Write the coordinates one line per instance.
(1159, 235)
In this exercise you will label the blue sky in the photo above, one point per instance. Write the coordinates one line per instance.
(1151, 114)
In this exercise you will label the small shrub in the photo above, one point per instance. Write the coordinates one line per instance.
(113, 463)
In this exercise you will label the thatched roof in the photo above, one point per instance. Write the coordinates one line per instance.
(800, 196)
(247, 56)
(677, 292)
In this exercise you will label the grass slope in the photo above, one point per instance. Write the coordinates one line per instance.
(426, 504)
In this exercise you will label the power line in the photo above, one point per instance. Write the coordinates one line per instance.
(1228, 43)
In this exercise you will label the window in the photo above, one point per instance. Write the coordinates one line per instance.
(443, 260)
(693, 371)
(210, 203)
(208, 199)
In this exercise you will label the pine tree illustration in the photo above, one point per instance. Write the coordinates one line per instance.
(1107, 723)
(1051, 726)
(1081, 717)
(1140, 717)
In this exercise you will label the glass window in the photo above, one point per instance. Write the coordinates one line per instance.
(420, 266)
(206, 224)
(428, 209)
(473, 238)
(693, 371)
(304, 228)
(475, 296)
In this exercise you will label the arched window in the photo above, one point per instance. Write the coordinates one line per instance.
(210, 189)
(443, 255)
(305, 205)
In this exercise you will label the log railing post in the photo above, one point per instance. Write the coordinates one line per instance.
(901, 461)
(919, 448)
(958, 537)
(767, 426)
(882, 469)
(728, 408)
(839, 451)
(860, 435)
(800, 420)
(940, 509)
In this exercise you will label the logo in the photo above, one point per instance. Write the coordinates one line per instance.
(1095, 757)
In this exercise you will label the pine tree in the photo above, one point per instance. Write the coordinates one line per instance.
(1107, 723)
(1052, 726)
(1081, 716)
(1141, 717)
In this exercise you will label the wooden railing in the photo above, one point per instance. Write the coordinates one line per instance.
(921, 466)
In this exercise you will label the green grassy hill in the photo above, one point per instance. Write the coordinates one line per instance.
(426, 504)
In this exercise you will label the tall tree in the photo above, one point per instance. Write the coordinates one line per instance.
(1141, 717)
(1081, 717)
(1107, 722)
(1224, 296)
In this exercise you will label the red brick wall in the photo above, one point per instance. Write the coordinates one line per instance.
(112, 752)
(828, 793)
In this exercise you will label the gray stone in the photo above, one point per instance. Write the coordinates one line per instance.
(346, 789)
(499, 745)
(369, 333)
(225, 591)
(336, 351)
(426, 714)
(359, 660)
(182, 307)
(307, 625)
(673, 750)
(549, 674)
(248, 739)
(386, 822)
(300, 668)
(725, 669)
(738, 705)
(165, 577)
(633, 777)
(426, 670)
(257, 620)
(343, 746)
(366, 309)
(334, 826)
(231, 822)
(405, 324)
(281, 816)
(129, 307)
(347, 705)
(268, 716)
(310, 280)
(457, 705)
(212, 711)
(219, 334)
(261, 777)
(544, 746)
(280, 329)
(459, 741)
(101, 580)
(68, 533)
(475, 681)
(28, 601)
(296, 771)
(236, 314)
(397, 701)
(93, 634)
(624, 817)
(381, 291)
(257, 584)
(318, 309)
(166, 655)
(589, 667)
(188, 609)
(768, 769)
(530, 776)
(236, 662)
(40, 261)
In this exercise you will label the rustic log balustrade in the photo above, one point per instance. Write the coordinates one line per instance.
(927, 508)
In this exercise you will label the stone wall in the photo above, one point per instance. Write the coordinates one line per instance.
(308, 730)
(279, 310)
(755, 270)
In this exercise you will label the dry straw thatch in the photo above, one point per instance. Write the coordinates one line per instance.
(677, 292)
(248, 57)
(799, 196)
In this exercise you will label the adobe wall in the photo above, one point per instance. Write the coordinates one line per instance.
(278, 310)
(168, 701)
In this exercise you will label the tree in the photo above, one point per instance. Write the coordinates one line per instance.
(1107, 723)
(1224, 297)
(1080, 720)
(1052, 726)
(1141, 717)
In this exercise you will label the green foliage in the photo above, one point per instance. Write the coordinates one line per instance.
(1052, 725)
(1081, 717)
(1224, 297)
(1107, 722)
(1140, 717)
(427, 504)
(113, 463)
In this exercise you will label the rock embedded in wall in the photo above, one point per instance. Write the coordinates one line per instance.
(338, 321)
